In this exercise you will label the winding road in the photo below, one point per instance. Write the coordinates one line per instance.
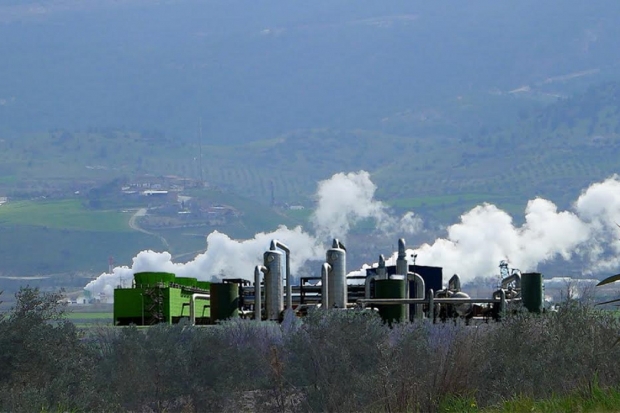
(133, 224)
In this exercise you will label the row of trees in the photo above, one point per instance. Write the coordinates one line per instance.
(328, 361)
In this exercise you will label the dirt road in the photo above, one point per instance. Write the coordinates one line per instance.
(133, 224)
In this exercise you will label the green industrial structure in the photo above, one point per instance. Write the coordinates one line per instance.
(161, 297)
(399, 292)
(391, 288)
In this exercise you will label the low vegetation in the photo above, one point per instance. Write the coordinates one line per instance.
(336, 361)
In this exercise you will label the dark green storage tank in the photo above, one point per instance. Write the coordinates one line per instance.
(224, 301)
(394, 288)
(149, 279)
(532, 291)
(205, 285)
(186, 281)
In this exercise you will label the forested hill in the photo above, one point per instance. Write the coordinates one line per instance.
(254, 71)
(552, 152)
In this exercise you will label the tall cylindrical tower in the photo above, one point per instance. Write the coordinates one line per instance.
(336, 257)
(274, 290)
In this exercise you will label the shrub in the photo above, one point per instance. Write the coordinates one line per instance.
(328, 361)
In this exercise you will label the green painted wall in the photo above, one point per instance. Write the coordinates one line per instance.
(128, 303)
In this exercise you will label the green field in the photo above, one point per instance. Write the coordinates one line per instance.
(90, 319)
(68, 214)
(78, 315)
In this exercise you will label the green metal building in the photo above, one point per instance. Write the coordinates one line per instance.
(160, 297)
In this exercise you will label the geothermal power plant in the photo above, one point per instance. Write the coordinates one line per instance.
(399, 293)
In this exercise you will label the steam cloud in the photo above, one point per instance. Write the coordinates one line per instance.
(472, 247)
(346, 199)
(343, 200)
(485, 235)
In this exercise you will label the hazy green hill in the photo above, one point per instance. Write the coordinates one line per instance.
(553, 152)
(254, 71)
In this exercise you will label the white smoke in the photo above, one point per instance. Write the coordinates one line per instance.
(346, 199)
(472, 247)
(486, 235)
(343, 200)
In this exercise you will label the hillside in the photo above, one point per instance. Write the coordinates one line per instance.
(554, 152)
(255, 72)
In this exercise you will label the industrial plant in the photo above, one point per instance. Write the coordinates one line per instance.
(399, 293)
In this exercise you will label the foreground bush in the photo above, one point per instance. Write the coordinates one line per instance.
(333, 361)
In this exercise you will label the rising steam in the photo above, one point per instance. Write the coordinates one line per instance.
(346, 199)
(343, 200)
(472, 247)
(485, 235)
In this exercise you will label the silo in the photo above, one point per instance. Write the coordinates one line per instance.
(152, 279)
(336, 257)
(205, 285)
(224, 301)
(391, 288)
(186, 281)
(401, 261)
(274, 286)
(532, 291)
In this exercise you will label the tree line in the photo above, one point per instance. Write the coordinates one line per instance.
(336, 361)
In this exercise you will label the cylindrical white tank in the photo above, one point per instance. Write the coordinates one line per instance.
(274, 289)
(402, 266)
(336, 257)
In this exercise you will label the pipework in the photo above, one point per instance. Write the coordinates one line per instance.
(289, 288)
(258, 316)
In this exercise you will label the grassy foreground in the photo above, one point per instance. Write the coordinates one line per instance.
(593, 399)
(333, 361)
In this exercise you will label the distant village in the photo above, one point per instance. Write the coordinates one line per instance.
(168, 208)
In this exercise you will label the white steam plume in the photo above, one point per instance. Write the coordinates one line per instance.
(485, 235)
(346, 199)
(343, 201)
(223, 257)
(473, 247)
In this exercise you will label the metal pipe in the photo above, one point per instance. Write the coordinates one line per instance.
(402, 268)
(396, 301)
(381, 274)
(369, 279)
(455, 283)
(325, 269)
(431, 305)
(502, 302)
(419, 293)
(381, 270)
(289, 292)
(515, 276)
(258, 316)
(192, 305)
